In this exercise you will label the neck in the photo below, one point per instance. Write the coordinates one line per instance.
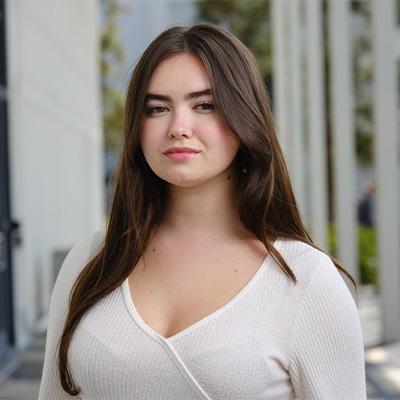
(209, 209)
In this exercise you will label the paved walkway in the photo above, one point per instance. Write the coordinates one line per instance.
(382, 362)
(24, 381)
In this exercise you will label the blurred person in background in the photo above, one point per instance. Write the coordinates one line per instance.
(205, 283)
(366, 207)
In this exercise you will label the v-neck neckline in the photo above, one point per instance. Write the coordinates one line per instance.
(151, 332)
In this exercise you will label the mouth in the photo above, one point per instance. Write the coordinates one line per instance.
(181, 153)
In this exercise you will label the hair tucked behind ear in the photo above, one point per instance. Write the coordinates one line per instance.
(267, 205)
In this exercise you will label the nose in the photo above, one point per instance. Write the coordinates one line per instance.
(180, 127)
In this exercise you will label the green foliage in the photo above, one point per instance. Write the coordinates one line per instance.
(364, 147)
(368, 255)
(112, 55)
(398, 12)
(249, 21)
(362, 75)
(332, 243)
(367, 252)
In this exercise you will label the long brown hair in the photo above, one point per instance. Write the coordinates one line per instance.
(267, 206)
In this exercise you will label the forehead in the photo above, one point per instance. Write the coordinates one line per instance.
(184, 72)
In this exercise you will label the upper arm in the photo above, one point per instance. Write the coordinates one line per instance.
(76, 259)
(327, 349)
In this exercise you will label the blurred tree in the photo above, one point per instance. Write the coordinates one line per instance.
(367, 250)
(112, 55)
(250, 21)
(398, 12)
(362, 75)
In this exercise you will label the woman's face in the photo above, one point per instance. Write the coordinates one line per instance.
(183, 138)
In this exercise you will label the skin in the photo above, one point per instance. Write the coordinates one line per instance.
(201, 191)
(200, 255)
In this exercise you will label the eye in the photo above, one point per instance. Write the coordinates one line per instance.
(206, 106)
(153, 110)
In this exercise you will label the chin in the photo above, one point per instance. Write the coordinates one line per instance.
(184, 183)
(190, 177)
(189, 181)
(183, 180)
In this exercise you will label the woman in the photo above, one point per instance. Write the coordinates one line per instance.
(205, 284)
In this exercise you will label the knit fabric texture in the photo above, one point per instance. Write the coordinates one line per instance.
(273, 340)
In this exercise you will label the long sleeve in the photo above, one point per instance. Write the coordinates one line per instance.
(327, 360)
(50, 386)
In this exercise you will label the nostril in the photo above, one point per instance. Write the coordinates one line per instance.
(179, 133)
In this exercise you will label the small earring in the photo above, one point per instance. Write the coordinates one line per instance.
(243, 169)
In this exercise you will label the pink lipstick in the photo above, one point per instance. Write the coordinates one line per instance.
(181, 153)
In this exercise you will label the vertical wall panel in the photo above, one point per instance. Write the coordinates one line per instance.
(386, 157)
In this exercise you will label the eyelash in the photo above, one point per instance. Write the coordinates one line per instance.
(149, 110)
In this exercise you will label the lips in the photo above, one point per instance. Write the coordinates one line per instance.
(181, 150)
(181, 153)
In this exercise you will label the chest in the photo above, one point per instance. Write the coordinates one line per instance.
(248, 347)
(172, 293)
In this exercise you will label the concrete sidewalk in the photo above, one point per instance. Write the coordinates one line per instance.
(383, 371)
(382, 362)
(24, 380)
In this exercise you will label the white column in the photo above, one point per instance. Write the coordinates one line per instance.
(343, 134)
(318, 176)
(386, 152)
(287, 92)
(280, 63)
(96, 136)
(295, 97)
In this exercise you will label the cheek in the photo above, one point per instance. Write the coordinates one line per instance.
(225, 140)
(226, 145)
(148, 139)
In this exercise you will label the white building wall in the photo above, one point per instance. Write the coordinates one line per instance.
(55, 141)
(144, 21)
(386, 104)
(343, 143)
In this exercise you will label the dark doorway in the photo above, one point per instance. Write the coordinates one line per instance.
(7, 337)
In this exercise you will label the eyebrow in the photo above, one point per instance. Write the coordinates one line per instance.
(188, 96)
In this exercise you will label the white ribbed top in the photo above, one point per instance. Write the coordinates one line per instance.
(273, 340)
